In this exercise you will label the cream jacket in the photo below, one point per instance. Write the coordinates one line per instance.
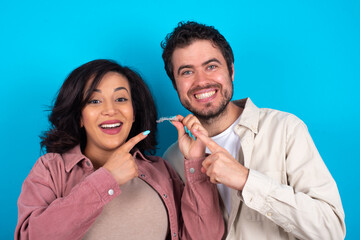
(289, 194)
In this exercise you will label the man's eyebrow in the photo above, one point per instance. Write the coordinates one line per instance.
(182, 67)
(211, 60)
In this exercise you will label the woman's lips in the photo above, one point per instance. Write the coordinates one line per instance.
(111, 127)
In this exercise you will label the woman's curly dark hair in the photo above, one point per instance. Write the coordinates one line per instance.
(65, 131)
(185, 34)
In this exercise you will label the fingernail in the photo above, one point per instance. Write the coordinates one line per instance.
(146, 132)
(194, 137)
(186, 130)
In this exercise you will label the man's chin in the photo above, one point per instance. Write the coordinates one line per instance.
(207, 114)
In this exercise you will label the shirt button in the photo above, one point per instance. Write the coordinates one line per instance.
(164, 195)
(142, 175)
(88, 163)
(269, 214)
(192, 170)
(111, 192)
(174, 234)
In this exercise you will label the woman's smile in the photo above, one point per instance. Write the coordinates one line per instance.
(111, 127)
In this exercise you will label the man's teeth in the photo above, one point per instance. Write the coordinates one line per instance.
(114, 125)
(204, 95)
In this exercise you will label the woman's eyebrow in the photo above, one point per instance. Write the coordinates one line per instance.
(115, 90)
(120, 88)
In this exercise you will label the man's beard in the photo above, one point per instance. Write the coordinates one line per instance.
(206, 114)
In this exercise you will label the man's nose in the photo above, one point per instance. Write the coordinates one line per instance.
(200, 76)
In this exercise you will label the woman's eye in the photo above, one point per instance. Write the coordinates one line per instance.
(121, 99)
(94, 101)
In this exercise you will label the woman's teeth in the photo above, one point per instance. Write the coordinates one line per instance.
(204, 95)
(114, 125)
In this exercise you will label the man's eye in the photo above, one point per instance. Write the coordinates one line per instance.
(94, 101)
(188, 72)
(212, 67)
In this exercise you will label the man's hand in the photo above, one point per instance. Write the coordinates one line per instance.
(221, 166)
(122, 164)
(190, 147)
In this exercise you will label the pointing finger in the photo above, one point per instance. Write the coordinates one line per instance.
(211, 145)
(134, 140)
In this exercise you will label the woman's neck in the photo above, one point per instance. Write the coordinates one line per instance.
(98, 158)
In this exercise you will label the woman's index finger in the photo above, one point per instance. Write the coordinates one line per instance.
(130, 144)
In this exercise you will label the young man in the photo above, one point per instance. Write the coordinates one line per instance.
(271, 178)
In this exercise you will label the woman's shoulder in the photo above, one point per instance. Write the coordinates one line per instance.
(48, 160)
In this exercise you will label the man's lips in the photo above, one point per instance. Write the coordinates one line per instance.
(205, 94)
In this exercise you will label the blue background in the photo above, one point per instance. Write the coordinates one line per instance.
(301, 57)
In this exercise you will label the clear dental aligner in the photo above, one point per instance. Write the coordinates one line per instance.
(163, 119)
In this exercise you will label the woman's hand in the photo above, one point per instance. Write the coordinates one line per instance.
(122, 164)
(190, 147)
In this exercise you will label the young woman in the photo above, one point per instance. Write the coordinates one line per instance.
(97, 180)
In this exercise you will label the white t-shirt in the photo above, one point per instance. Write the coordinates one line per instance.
(231, 142)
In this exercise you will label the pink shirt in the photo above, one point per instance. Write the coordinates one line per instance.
(63, 195)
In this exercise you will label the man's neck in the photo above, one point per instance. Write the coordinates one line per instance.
(217, 125)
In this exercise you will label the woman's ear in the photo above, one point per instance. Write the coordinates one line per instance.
(233, 72)
(81, 123)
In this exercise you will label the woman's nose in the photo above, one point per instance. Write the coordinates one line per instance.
(109, 109)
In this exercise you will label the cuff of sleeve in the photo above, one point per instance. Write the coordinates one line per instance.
(193, 170)
(256, 191)
(104, 184)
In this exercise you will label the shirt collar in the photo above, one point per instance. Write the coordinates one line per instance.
(139, 156)
(250, 116)
(74, 156)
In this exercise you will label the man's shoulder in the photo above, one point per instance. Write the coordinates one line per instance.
(172, 149)
(174, 156)
(279, 116)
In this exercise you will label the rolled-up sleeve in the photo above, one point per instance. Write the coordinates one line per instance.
(200, 205)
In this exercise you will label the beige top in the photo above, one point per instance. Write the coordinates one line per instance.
(137, 213)
(289, 194)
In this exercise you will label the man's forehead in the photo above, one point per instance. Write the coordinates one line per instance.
(198, 51)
